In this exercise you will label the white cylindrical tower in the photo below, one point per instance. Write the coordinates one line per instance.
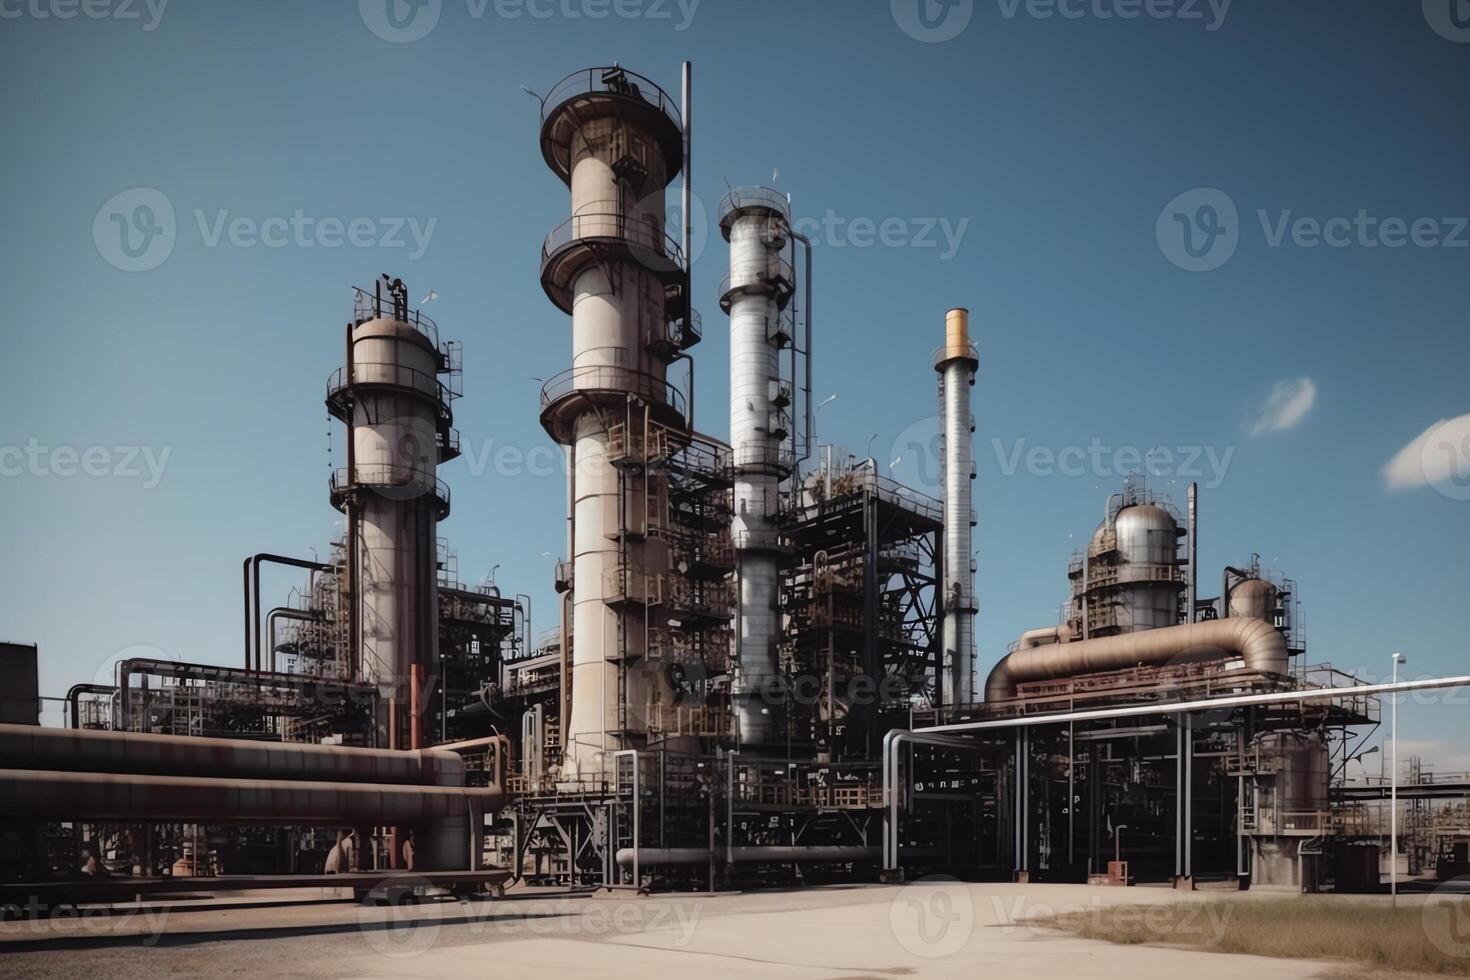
(756, 222)
(616, 139)
(398, 415)
(957, 361)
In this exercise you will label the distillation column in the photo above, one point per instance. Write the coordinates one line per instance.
(398, 417)
(957, 361)
(756, 222)
(616, 139)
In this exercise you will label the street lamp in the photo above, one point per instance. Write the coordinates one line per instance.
(1393, 790)
(816, 417)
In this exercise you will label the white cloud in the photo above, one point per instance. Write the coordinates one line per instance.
(1439, 456)
(1288, 404)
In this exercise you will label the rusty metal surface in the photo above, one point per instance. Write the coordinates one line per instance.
(72, 750)
(109, 796)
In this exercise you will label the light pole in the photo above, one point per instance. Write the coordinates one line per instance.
(817, 417)
(1393, 791)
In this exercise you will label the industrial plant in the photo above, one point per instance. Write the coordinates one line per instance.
(764, 670)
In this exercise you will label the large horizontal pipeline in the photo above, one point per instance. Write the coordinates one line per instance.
(1255, 641)
(112, 796)
(139, 753)
(656, 856)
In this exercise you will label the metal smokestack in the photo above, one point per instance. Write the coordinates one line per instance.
(957, 362)
(617, 141)
(756, 222)
(399, 417)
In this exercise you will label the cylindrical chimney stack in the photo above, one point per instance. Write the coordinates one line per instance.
(617, 140)
(957, 362)
(399, 429)
(756, 222)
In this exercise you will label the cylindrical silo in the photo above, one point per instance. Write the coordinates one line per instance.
(756, 222)
(957, 361)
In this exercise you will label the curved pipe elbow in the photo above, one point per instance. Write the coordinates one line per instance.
(1257, 642)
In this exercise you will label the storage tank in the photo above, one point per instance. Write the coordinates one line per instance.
(1255, 597)
(1129, 577)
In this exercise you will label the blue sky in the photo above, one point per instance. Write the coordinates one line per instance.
(1048, 146)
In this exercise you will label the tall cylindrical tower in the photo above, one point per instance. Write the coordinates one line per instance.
(616, 139)
(957, 361)
(399, 429)
(756, 222)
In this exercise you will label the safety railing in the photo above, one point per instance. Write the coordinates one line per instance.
(945, 352)
(393, 480)
(613, 80)
(394, 375)
(635, 230)
(779, 457)
(368, 306)
(750, 197)
(610, 378)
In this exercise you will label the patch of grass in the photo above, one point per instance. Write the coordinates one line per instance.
(1378, 938)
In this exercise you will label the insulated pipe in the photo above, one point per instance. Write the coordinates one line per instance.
(136, 753)
(1193, 593)
(1061, 633)
(129, 796)
(742, 854)
(893, 742)
(810, 422)
(686, 190)
(254, 564)
(957, 362)
(1257, 642)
